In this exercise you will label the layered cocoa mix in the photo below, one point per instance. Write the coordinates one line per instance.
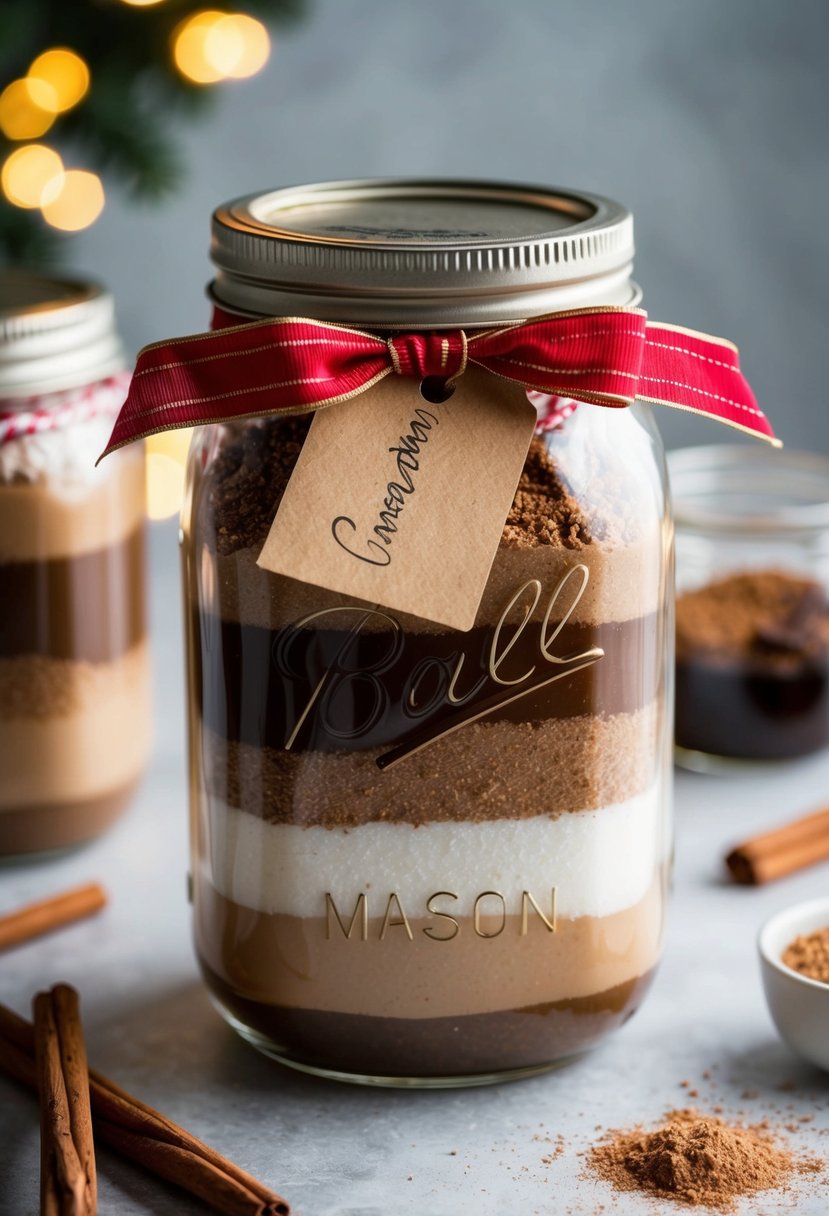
(74, 667)
(423, 852)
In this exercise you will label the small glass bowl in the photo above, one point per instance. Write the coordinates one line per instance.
(752, 529)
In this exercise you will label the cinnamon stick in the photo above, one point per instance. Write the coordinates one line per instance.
(781, 851)
(66, 1006)
(67, 1159)
(147, 1137)
(49, 914)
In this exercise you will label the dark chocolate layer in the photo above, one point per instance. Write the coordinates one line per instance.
(474, 1044)
(88, 608)
(366, 690)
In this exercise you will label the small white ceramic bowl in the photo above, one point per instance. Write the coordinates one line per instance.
(798, 1005)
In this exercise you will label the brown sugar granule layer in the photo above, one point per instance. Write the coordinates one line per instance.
(742, 615)
(542, 512)
(697, 1160)
(486, 772)
(810, 955)
(249, 476)
(40, 689)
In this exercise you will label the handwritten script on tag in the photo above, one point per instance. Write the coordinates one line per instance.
(400, 501)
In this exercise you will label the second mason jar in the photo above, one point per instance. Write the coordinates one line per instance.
(752, 656)
(75, 712)
(492, 904)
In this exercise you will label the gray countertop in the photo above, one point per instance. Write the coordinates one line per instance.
(333, 1149)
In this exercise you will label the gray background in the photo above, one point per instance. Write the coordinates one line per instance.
(707, 117)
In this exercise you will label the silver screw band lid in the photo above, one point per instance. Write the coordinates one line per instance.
(429, 252)
(55, 333)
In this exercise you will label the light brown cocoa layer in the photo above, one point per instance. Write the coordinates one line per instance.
(72, 731)
(578, 501)
(487, 770)
(623, 583)
(405, 972)
(39, 521)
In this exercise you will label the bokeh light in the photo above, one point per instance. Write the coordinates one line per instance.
(65, 73)
(211, 46)
(32, 176)
(189, 47)
(27, 109)
(239, 44)
(166, 460)
(79, 202)
(142, 3)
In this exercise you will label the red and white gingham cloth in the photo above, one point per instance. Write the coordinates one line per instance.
(20, 416)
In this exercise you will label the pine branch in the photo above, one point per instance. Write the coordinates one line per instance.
(25, 239)
(21, 26)
(285, 12)
(126, 136)
(122, 125)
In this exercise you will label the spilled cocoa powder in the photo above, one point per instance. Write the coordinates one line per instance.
(697, 1160)
(249, 476)
(809, 955)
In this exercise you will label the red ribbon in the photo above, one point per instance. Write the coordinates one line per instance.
(290, 365)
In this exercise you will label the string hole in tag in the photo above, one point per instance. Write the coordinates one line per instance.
(435, 389)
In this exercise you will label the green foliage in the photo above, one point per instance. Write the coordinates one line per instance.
(123, 126)
(25, 241)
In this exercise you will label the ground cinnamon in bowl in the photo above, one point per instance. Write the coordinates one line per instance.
(809, 955)
(697, 1160)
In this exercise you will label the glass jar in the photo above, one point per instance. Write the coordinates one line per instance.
(74, 664)
(752, 672)
(492, 905)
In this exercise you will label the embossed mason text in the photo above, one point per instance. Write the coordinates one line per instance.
(489, 917)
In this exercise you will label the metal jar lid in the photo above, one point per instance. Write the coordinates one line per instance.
(55, 334)
(424, 252)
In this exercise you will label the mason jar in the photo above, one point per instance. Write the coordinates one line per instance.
(491, 905)
(752, 661)
(74, 666)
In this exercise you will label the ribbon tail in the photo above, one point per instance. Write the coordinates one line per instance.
(767, 436)
(248, 371)
(139, 420)
(701, 375)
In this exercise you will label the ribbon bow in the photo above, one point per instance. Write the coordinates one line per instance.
(290, 365)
